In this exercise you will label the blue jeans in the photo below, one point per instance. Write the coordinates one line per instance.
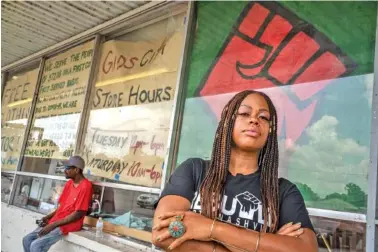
(33, 243)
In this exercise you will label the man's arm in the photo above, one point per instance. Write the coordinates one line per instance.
(177, 203)
(70, 218)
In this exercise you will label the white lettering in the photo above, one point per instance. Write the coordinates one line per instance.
(246, 223)
(255, 225)
(233, 207)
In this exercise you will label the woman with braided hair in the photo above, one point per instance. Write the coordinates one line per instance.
(235, 201)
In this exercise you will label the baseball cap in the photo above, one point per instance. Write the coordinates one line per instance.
(76, 161)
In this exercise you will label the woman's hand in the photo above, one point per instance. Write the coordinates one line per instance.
(291, 229)
(197, 227)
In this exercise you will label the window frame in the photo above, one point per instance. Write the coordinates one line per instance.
(371, 215)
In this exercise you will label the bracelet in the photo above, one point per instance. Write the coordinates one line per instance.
(258, 242)
(211, 229)
(215, 247)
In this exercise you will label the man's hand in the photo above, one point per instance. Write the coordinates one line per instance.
(46, 219)
(47, 229)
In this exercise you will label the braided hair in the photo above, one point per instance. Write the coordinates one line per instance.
(212, 188)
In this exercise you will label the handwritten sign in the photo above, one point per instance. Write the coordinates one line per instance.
(129, 122)
(134, 73)
(126, 60)
(53, 137)
(15, 110)
(128, 143)
(60, 102)
(12, 136)
(64, 80)
(152, 89)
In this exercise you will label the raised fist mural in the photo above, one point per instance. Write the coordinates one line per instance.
(315, 60)
(270, 47)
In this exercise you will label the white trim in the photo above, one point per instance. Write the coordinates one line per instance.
(9, 172)
(39, 175)
(87, 239)
(99, 183)
(127, 187)
(130, 243)
(355, 217)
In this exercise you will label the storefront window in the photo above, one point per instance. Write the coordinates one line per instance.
(339, 235)
(15, 109)
(126, 138)
(42, 194)
(56, 118)
(319, 78)
(6, 186)
(128, 209)
(38, 194)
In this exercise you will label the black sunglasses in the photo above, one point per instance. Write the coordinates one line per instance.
(69, 167)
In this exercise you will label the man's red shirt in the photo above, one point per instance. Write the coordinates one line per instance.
(73, 199)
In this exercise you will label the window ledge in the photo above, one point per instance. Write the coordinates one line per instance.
(108, 243)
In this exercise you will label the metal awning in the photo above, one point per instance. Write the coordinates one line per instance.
(31, 26)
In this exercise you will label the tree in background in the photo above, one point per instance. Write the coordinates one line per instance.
(355, 195)
(307, 192)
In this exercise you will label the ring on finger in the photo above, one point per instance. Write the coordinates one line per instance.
(176, 229)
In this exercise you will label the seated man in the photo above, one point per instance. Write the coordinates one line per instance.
(69, 216)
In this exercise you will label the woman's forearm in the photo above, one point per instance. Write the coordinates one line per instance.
(247, 240)
(192, 246)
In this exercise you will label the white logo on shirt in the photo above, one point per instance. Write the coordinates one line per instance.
(246, 203)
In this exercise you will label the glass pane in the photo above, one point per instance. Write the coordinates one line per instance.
(339, 235)
(38, 194)
(94, 208)
(15, 107)
(127, 133)
(50, 195)
(128, 208)
(319, 86)
(6, 186)
(60, 102)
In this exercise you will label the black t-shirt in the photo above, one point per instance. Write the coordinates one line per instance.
(241, 203)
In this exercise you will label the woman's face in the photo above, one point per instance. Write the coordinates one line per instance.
(252, 123)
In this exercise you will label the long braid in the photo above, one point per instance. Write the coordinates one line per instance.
(212, 187)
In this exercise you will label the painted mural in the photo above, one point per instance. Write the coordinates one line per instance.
(315, 59)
